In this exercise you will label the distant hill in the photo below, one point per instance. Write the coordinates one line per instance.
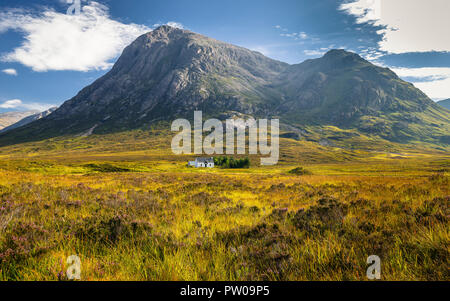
(169, 73)
(6, 119)
(444, 103)
(28, 120)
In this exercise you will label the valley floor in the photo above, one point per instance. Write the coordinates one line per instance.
(138, 217)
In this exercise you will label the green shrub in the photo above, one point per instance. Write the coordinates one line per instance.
(300, 171)
(230, 162)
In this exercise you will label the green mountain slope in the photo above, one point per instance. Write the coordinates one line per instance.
(344, 90)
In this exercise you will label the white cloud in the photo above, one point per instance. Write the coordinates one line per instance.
(261, 49)
(175, 24)
(294, 35)
(10, 71)
(406, 25)
(409, 26)
(435, 82)
(11, 104)
(371, 54)
(171, 24)
(57, 41)
(18, 104)
(321, 51)
(439, 89)
(432, 73)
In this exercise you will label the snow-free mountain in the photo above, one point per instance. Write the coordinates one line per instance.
(169, 73)
(28, 119)
(9, 118)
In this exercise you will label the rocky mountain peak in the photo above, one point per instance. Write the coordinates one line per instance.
(170, 72)
(338, 53)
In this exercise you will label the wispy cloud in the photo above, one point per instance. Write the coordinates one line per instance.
(18, 104)
(171, 24)
(371, 54)
(57, 41)
(261, 49)
(11, 104)
(280, 28)
(435, 82)
(423, 74)
(293, 35)
(321, 51)
(10, 71)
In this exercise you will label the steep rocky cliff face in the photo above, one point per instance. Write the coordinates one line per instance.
(171, 72)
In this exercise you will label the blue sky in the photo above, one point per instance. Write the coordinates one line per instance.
(48, 55)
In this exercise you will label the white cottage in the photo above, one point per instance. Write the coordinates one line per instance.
(202, 163)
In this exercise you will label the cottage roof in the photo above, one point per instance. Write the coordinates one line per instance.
(205, 160)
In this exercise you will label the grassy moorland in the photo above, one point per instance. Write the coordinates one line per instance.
(132, 211)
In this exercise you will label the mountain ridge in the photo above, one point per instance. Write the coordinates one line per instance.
(28, 119)
(170, 72)
(9, 118)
